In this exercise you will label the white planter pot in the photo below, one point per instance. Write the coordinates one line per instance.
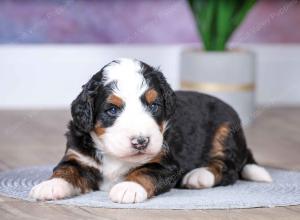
(226, 75)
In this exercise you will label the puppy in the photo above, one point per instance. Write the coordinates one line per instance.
(133, 136)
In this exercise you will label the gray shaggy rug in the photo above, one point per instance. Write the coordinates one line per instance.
(283, 191)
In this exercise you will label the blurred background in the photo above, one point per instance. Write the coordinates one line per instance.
(49, 48)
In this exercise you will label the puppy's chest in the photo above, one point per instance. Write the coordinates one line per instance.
(113, 171)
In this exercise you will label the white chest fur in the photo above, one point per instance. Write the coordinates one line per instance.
(113, 171)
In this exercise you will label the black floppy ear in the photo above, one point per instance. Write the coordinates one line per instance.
(168, 95)
(82, 108)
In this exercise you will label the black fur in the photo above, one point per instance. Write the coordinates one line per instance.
(82, 108)
(192, 128)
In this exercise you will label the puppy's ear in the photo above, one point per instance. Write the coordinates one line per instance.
(82, 108)
(168, 95)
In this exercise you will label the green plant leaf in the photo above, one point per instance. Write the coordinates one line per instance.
(204, 11)
(217, 20)
(241, 12)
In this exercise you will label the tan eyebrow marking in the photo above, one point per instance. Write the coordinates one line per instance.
(116, 100)
(151, 95)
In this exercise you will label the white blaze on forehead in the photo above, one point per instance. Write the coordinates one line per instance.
(134, 119)
(127, 74)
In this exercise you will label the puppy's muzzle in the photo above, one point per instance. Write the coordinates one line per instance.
(139, 143)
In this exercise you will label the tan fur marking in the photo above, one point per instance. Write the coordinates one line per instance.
(71, 175)
(117, 101)
(217, 151)
(221, 135)
(150, 96)
(161, 128)
(99, 130)
(216, 167)
(140, 176)
(158, 157)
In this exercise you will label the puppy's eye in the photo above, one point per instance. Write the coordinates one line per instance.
(113, 111)
(153, 107)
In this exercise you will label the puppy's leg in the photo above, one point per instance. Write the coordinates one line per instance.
(219, 166)
(144, 182)
(75, 174)
(229, 159)
(217, 172)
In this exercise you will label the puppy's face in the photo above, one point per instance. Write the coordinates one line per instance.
(130, 112)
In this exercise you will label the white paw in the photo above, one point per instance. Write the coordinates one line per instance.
(198, 178)
(56, 188)
(127, 192)
(255, 172)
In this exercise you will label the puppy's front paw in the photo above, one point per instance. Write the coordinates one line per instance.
(128, 192)
(56, 188)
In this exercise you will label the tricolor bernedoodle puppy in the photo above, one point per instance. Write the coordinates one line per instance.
(133, 136)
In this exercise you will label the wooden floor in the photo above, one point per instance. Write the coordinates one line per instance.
(36, 137)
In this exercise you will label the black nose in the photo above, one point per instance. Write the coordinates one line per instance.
(140, 142)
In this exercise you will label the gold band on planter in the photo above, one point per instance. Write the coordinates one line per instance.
(218, 87)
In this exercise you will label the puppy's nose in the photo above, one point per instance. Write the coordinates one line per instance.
(140, 142)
